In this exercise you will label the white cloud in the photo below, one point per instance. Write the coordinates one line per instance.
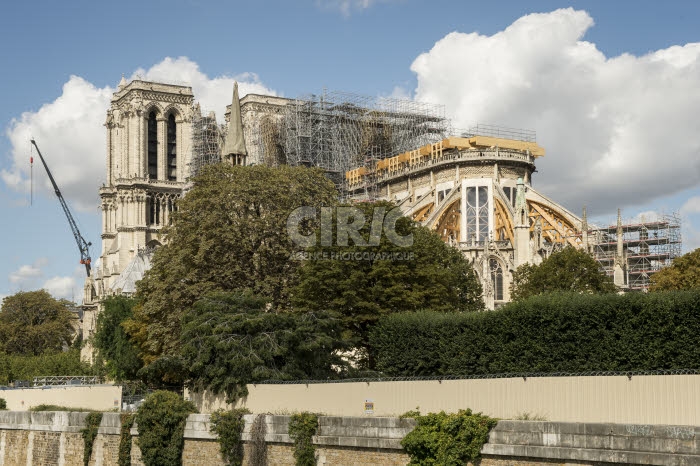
(71, 135)
(691, 237)
(26, 274)
(62, 287)
(346, 7)
(618, 131)
(691, 206)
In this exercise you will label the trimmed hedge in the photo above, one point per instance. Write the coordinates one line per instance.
(15, 367)
(560, 332)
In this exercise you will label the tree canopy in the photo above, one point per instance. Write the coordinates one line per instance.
(228, 233)
(570, 269)
(231, 339)
(113, 345)
(33, 322)
(363, 282)
(683, 274)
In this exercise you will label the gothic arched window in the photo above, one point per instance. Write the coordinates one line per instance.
(171, 168)
(152, 135)
(496, 279)
(478, 208)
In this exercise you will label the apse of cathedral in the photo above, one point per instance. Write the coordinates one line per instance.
(473, 188)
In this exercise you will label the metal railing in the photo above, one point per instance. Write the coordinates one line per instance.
(62, 380)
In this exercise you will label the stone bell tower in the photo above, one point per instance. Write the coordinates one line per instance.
(148, 154)
(149, 134)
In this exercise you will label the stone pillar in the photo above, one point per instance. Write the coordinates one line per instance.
(522, 227)
(108, 165)
(141, 145)
(620, 263)
(486, 278)
(104, 218)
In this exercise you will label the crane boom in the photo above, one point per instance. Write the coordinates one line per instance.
(83, 245)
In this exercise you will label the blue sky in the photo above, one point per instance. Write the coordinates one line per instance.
(612, 89)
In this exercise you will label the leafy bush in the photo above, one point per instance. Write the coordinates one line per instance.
(15, 367)
(125, 439)
(92, 424)
(228, 426)
(447, 439)
(562, 332)
(302, 428)
(161, 424)
(3, 404)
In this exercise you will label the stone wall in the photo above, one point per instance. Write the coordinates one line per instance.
(53, 438)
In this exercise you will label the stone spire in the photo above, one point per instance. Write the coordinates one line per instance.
(234, 150)
(619, 234)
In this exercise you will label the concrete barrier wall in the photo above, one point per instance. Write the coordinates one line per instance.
(96, 397)
(54, 438)
(648, 399)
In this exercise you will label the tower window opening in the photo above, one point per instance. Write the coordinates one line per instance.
(496, 279)
(172, 149)
(152, 146)
(149, 211)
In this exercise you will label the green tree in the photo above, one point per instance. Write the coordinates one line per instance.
(363, 283)
(229, 233)
(111, 341)
(570, 269)
(33, 322)
(683, 274)
(231, 339)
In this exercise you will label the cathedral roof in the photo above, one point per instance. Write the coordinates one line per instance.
(134, 271)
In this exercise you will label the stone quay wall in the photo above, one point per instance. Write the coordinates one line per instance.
(53, 438)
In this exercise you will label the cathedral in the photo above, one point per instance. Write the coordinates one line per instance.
(474, 189)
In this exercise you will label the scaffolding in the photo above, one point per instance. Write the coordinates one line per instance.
(207, 138)
(495, 131)
(337, 131)
(647, 247)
